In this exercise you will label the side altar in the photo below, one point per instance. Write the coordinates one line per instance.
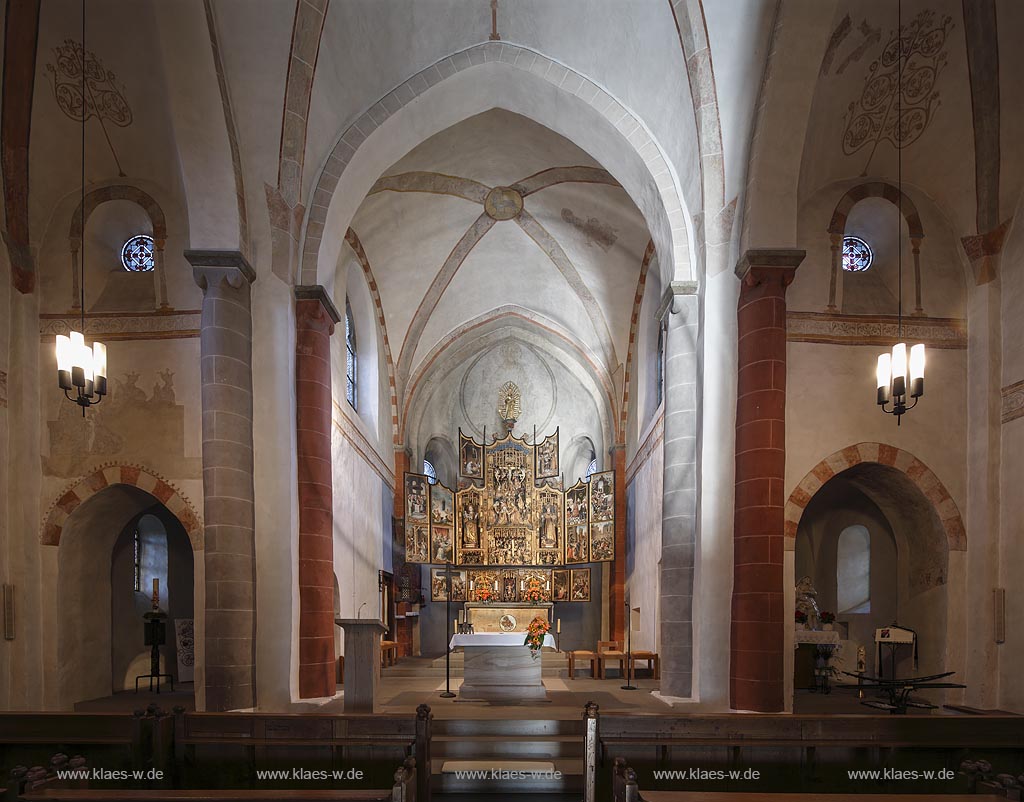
(506, 616)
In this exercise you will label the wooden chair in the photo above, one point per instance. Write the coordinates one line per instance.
(651, 658)
(388, 653)
(610, 651)
(590, 657)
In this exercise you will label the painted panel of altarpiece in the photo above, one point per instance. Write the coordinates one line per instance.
(471, 458)
(442, 524)
(579, 585)
(417, 518)
(547, 457)
(439, 585)
(602, 517)
(577, 526)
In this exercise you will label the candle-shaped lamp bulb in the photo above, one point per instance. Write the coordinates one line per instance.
(156, 593)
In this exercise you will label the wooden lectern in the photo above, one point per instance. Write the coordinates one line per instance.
(362, 662)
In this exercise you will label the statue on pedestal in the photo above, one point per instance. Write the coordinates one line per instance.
(807, 602)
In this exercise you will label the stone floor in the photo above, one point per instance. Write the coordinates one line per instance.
(417, 680)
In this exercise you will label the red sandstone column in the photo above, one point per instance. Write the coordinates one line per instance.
(315, 316)
(758, 614)
(404, 625)
(617, 597)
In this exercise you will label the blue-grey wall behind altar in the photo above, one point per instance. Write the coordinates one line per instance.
(581, 622)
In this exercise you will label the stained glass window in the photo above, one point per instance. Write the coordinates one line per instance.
(137, 254)
(857, 255)
(350, 354)
(591, 468)
(428, 469)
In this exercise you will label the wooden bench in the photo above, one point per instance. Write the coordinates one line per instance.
(263, 734)
(727, 796)
(590, 657)
(59, 731)
(35, 785)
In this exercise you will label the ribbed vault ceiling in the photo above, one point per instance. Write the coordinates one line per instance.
(499, 211)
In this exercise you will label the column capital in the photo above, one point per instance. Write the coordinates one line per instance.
(230, 265)
(669, 302)
(769, 264)
(316, 292)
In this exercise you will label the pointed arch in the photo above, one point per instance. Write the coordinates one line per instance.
(462, 85)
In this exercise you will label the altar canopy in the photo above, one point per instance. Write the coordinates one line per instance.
(511, 510)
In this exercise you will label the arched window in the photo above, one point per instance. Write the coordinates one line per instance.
(591, 468)
(853, 570)
(350, 354)
(428, 469)
(660, 368)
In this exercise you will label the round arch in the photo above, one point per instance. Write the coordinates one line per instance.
(112, 474)
(876, 189)
(915, 470)
(80, 662)
(881, 456)
(114, 192)
(520, 80)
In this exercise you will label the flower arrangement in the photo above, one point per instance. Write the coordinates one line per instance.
(535, 635)
(533, 591)
(484, 593)
(827, 617)
(801, 618)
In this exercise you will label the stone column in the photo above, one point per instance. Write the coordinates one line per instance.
(315, 316)
(758, 608)
(617, 619)
(226, 377)
(680, 314)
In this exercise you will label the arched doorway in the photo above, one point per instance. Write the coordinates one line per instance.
(152, 547)
(879, 521)
(95, 611)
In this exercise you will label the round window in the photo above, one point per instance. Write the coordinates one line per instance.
(137, 254)
(857, 255)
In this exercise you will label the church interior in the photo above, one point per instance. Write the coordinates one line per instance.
(464, 399)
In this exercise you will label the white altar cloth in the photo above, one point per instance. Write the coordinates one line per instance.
(815, 636)
(495, 639)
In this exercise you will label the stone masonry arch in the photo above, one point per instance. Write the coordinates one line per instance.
(121, 474)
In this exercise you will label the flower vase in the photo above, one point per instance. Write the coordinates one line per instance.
(801, 627)
(826, 627)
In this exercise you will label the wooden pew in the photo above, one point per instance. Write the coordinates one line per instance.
(62, 731)
(263, 734)
(36, 785)
(738, 731)
(716, 796)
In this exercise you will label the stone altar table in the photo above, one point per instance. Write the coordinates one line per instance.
(499, 668)
(362, 662)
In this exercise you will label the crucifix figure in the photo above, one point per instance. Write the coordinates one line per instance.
(494, 21)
